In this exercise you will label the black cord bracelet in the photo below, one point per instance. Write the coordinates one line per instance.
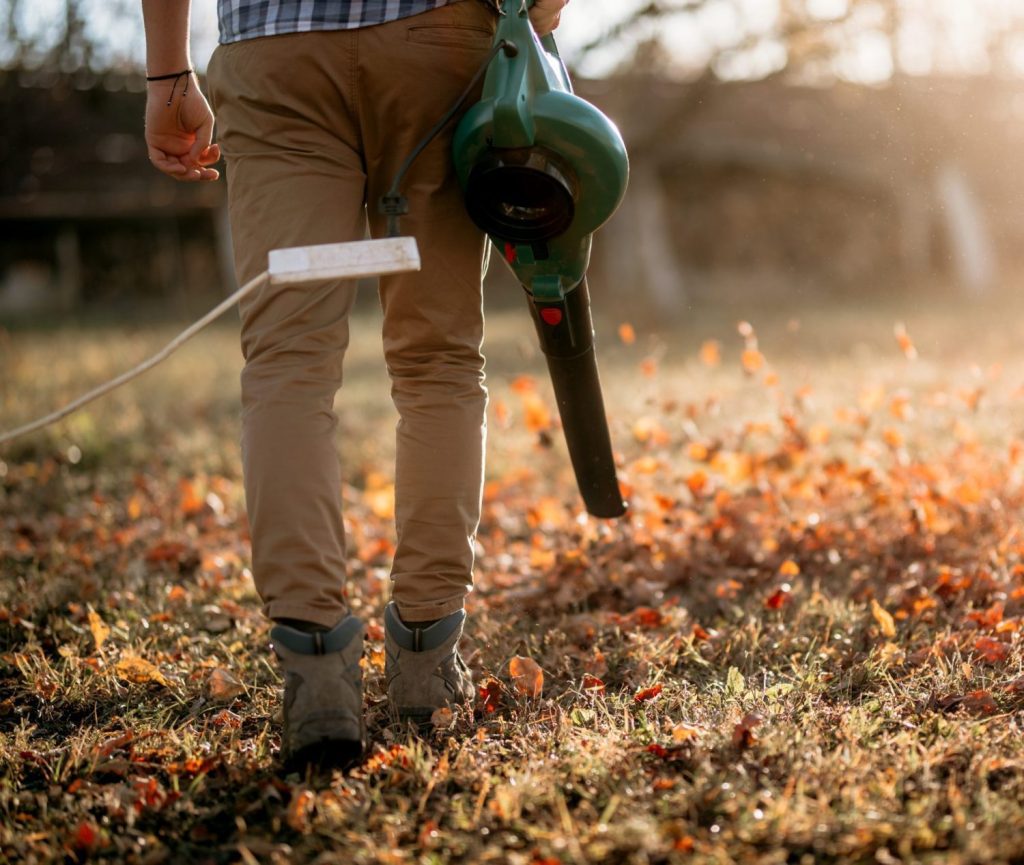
(175, 76)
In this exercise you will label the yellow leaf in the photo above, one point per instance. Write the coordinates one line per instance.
(884, 619)
(527, 676)
(100, 629)
(138, 671)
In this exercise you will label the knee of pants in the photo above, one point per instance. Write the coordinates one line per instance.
(292, 376)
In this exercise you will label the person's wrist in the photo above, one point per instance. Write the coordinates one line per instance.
(169, 73)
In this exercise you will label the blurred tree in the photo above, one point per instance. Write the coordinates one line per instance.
(70, 35)
(863, 40)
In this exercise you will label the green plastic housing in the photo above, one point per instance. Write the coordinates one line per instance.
(527, 101)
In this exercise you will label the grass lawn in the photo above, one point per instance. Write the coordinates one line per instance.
(803, 645)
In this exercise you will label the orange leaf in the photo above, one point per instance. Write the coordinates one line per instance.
(524, 384)
(227, 719)
(991, 650)
(190, 502)
(905, 343)
(684, 732)
(535, 414)
(884, 619)
(789, 568)
(592, 683)
(752, 360)
(626, 333)
(100, 630)
(300, 810)
(711, 353)
(649, 367)
(527, 676)
(645, 694)
(139, 671)
(442, 718)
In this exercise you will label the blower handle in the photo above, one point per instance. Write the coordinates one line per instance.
(566, 333)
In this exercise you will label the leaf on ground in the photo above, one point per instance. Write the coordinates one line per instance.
(684, 732)
(645, 694)
(139, 671)
(223, 684)
(743, 736)
(592, 683)
(992, 651)
(980, 702)
(490, 695)
(300, 810)
(442, 718)
(627, 333)
(884, 619)
(100, 629)
(527, 676)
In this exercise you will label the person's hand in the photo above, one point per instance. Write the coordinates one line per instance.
(179, 136)
(545, 14)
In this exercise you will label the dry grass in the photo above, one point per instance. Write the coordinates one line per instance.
(803, 646)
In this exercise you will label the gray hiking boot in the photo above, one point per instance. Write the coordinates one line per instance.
(422, 666)
(323, 693)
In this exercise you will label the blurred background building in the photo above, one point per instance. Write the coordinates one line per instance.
(863, 146)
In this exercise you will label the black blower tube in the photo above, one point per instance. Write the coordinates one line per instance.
(566, 333)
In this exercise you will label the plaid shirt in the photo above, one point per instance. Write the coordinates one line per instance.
(247, 19)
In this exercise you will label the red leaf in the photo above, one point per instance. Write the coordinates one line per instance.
(645, 694)
(778, 599)
(991, 650)
(87, 836)
(592, 683)
(490, 695)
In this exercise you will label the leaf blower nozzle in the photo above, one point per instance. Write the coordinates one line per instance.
(542, 170)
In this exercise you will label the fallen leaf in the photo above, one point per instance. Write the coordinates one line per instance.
(139, 671)
(527, 676)
(300, 810)
(490, 695)
(884, 619)
(100, 629)
(626, 333)
(442, 718)
(645, 694)
(980, 703)
(993, 651)
(684, 732)
(223, 684)
(743, 736)
(592, 683)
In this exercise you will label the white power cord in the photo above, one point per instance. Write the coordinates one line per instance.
(352, 260)
(136, 371)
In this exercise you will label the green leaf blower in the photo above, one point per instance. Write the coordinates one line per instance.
(542, 170)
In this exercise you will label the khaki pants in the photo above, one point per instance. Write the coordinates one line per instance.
(313, 128)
